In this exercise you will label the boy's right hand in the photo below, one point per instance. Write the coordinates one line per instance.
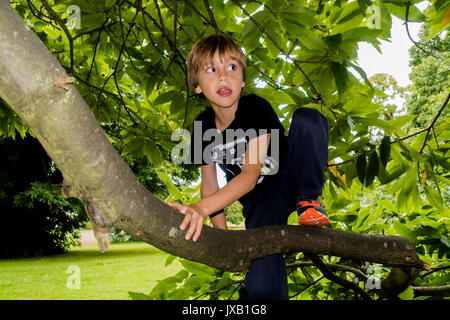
(193, 215)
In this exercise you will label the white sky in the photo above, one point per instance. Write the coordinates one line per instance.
(395, 57)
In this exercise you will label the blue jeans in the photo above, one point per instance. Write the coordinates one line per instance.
(302, 172)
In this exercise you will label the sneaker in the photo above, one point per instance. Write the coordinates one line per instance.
(311, 213)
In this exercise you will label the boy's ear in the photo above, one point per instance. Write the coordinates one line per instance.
(198, 90)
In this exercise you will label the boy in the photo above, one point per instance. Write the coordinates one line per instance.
(272, 176)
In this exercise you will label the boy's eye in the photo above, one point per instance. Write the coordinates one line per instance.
(210, 69)
(232, 67)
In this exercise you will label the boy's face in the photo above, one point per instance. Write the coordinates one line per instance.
(221, 80)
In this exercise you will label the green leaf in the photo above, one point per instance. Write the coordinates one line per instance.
(312, 41)
(399, 10)
(251, 33)
(372, 168)
(333, 41)
(406, 186)
(361, 142)
(341, 76)
(151, 150)
(363, 4)
(173, 190)
(433, 196)
(361, 167)
(178, 104)
(363, 220)
(387, 204)
(149, 85)
(445, 240)
(362, 73)
(165, 287)
(375, 122)
(400, 121)
(408, 294)
(442, 161)
(166, 97)
(404, 231)
(350, 11)
(138, 296)
(198, 268)
(361, 34)
(298, 14)
(169, 260)
(135, 147)
(385, 150)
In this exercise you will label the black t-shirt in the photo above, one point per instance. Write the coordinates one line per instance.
(254, 117)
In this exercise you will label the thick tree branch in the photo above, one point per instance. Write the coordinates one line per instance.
(438, 291)
(94, 170)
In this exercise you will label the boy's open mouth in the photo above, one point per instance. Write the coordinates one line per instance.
(224, 91)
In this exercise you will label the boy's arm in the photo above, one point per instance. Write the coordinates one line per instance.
(209, 186)
(240, 185)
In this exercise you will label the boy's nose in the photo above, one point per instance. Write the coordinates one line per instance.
(222, 75)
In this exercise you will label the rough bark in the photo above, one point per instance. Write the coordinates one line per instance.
(94, 172)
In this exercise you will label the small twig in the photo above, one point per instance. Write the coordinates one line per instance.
(307, 287)
(175, 17)
(434, 121)
(175, 13)
(409, 35)
(100, 29)
(220, 289)
(211, 17)
(95, 50)
(32, 8)
(434, 269)
(338, 280)
(66, 31)
(355, 271)
(161, 28)
(269, 78)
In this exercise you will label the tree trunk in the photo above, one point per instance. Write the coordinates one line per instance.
(30, 82)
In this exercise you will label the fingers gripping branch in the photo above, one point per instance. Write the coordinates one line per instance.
(193, 217)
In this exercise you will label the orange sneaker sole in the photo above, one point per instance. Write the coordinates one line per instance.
(313, 218)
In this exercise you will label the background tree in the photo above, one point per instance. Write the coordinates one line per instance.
(30, 200)
(430, 68)
(128, 59)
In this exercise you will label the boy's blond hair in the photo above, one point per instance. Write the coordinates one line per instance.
(205, 48)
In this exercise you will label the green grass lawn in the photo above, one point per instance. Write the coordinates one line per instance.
(124, 267)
